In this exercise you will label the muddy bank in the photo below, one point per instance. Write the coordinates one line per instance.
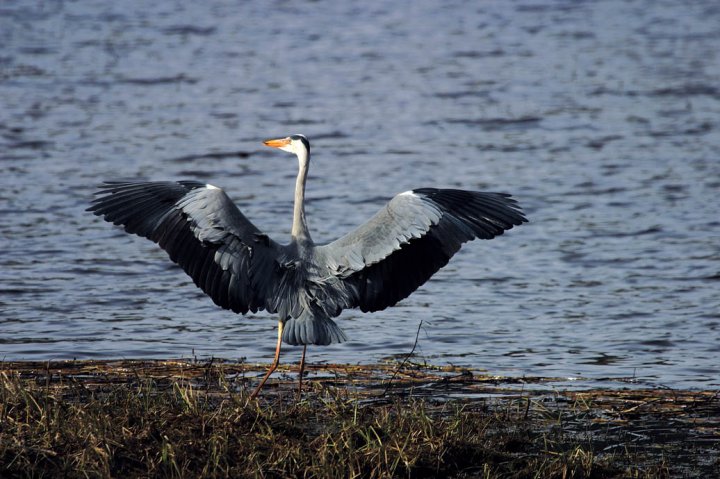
(188, 419)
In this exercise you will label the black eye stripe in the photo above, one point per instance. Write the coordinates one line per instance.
(301, 138)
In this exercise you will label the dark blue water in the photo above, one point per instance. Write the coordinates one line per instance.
(602, 118)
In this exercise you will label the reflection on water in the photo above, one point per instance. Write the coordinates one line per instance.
(601, 118)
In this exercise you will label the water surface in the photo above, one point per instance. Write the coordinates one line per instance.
(602, 118)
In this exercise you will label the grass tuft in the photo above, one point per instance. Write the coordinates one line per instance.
(138, 420)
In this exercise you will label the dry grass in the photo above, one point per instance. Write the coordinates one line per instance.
(173, 419)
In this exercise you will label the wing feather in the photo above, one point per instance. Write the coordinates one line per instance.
(203, 232)
(412, 237)
(406, 216)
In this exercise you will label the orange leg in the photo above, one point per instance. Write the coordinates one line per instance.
(302, 368)
(275, 363)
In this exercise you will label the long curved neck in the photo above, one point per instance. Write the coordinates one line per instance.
(300, 229)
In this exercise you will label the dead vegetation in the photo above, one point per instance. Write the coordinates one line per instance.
(180, 419)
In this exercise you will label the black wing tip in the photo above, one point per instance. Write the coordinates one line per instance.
(108, 184)
(499, 201)
(107, 188)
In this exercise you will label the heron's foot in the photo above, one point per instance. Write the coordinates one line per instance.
(299, 389)
(301, 371)
(262, 383)
(274, 365)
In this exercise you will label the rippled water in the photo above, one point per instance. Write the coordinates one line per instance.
(602, 118)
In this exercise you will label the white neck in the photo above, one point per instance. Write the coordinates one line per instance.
(299, 228)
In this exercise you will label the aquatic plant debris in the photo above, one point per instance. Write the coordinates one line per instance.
(191, 419)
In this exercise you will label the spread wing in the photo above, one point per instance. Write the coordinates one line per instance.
(203, 231)
(411, 238)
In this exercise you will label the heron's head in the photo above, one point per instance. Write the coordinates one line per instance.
(297, 144)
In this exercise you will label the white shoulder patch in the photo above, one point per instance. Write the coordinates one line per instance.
(211, 187)
(408, 192)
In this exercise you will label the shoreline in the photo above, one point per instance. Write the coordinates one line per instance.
(382, 420)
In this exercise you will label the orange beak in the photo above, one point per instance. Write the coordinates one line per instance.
(280, 142)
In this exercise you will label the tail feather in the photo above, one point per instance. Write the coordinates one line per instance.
(312, 330)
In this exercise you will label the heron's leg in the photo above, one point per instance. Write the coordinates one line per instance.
(275, 363)
(302, 368)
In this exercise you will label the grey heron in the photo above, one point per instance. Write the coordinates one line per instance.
(306, 284)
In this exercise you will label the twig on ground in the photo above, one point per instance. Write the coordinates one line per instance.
(402, 364)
